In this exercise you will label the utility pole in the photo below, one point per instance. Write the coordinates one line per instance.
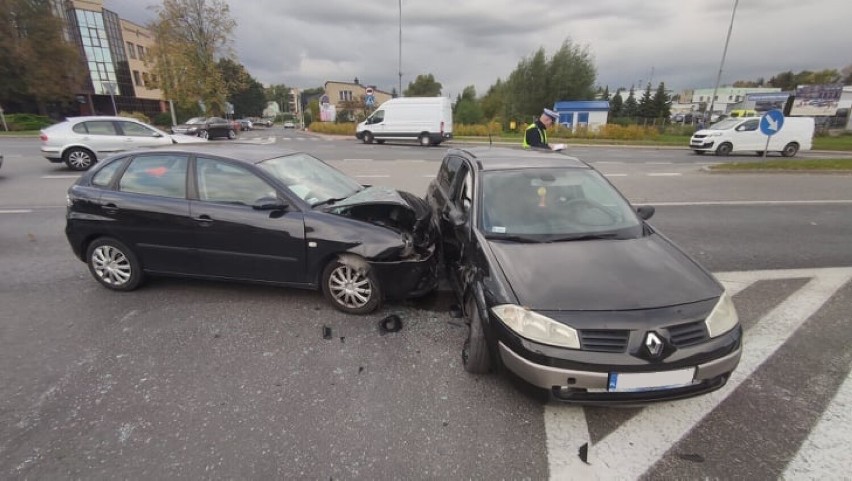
(400, 48)
(722, 64)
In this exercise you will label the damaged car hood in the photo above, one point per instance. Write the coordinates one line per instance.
(388, 207)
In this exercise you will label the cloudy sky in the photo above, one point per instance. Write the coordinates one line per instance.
(474, 42)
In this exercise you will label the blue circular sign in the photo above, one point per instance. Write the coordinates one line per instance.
(771, 122)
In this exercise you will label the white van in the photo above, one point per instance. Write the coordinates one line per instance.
(429, 120)
(743, 135)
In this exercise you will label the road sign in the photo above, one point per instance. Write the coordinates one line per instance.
(771, 122)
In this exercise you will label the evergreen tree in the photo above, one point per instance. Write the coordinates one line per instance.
(646, 107)
(661, 102)
(631, 106)
(616, 106)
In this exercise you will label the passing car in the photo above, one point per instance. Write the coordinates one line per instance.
(564, 284)
(246, 124)
(255, 213)
(207, 128)
(80, 142)
(288, 124)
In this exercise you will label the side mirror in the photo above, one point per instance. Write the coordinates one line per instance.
(269, 203)
(645, 211)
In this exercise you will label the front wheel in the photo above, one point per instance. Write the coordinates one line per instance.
(724, 149)
(790, 149)
(368, 138)
(114, 265)
(424, 140)
(203, 134)
(475, 355)
(351, 286)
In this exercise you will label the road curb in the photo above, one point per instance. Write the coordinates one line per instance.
(709, 170)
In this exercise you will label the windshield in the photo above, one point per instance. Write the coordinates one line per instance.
(311, 179)
(544, 205)
(725, 124)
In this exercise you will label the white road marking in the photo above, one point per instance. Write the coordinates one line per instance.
(615, 175)
(827, 448)
(372, 176)
(658, 163)
(607, 162)
(429, 176)
(357, 160)
(663, 174)
(629, 451)
(15, 211)
(61, 176)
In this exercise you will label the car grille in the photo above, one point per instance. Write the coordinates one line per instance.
(604, 340)
(698, 136)
(688, 334)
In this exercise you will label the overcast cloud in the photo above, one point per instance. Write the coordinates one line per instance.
(474, 42)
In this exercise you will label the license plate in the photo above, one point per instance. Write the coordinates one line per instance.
(650, 381)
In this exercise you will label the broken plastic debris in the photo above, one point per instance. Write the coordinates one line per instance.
(326, 332)
(391, 323)
(584, 453)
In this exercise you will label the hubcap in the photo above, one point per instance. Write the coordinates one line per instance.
(350, 287)
(111, 265)
(79, 159)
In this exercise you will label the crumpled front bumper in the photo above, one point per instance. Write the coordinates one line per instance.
(409, 277)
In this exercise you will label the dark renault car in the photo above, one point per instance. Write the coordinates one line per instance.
(566, 285)
(251, 213)
(207, 128)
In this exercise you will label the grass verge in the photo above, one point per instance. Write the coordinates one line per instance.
(789, 165)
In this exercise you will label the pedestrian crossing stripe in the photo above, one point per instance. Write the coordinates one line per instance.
(635, 446)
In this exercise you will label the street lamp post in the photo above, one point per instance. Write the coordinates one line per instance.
(400, 48)
(111, 89)
(722, 64)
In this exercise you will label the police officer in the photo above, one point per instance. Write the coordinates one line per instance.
(536, 134)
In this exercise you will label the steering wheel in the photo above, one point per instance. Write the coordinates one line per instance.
(580, 210)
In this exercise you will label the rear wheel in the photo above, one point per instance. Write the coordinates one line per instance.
(231, 134)
(380, 141)
(724, 149)
(113, 264)
(475, 355)
(77, 158)
(203, 134)
(424, 140)
(790, 149)
(368, 138)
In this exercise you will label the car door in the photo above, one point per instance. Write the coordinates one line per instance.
(148, 210)
(102, 136)
(234, 239)
(748, 136)
(137, 135)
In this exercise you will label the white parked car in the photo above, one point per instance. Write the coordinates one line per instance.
(80, 142)
(289, 125)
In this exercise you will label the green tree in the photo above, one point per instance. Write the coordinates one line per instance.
(190, 35)
(494, 102)
(616, 105)
(467, 109)
(631, 106)
(646, 107)
(661, 103)
(424, 86)
(33, 48)
(280, 94)
(242, 90)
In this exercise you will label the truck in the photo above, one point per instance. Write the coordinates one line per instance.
(744, 135)
(428, 120)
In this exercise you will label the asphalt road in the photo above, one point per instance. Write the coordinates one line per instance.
(191, 379)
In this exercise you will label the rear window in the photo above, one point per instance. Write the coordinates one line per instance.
(100, 127)
(162, 175)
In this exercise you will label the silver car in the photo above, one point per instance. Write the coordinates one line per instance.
(80, 142)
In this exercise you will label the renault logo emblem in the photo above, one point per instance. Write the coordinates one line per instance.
(654, 344)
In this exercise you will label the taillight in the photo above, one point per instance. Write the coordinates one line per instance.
(442, 127)
(43, 137)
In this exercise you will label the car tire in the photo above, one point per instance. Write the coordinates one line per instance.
(368, 138)
(698, 152)
(758, 153)
(342, 276)
(424, 140)
(790, 149)
(724, 149)
(114, 265)
(204, 134)
(476, 357)
(380, 142)
(231, 134)
(78, 158)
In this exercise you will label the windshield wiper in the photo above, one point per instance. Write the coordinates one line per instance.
(584, 237)
(329, 201)
(514, 238)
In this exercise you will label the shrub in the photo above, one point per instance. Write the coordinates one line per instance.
(163, 119)
(22, 122)
(135, 115)
(343, 128)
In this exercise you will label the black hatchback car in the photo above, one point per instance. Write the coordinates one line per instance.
(567, 285)
(251, 213)
(207, 128)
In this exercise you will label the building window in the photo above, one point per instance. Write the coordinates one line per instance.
(136, 79)
(345, 95)
(141, 52)
(146, 81)
(131, 50)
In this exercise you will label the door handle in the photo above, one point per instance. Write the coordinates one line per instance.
(204, 219)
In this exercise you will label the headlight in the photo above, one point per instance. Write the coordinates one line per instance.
(536, 327)
(408, 243)
(714, 134)
(723, 318)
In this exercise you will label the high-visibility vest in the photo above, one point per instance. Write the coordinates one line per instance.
(541, 133)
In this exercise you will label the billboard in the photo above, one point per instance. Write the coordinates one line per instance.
(817, 100)
(763, 102)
